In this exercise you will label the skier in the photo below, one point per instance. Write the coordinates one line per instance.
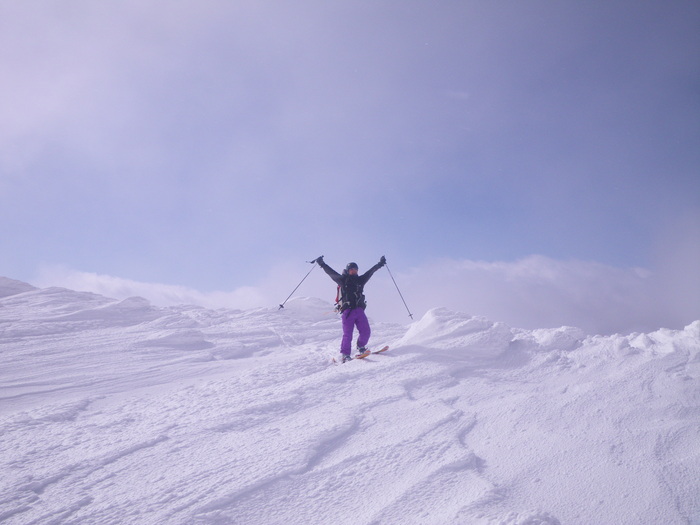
(352, 304)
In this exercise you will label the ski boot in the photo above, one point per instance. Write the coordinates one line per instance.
(362, 351)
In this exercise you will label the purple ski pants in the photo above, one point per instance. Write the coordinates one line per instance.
(352, 318)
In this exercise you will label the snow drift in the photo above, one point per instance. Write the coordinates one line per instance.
(120, 412)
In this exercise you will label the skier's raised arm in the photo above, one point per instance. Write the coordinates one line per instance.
(365, 276)
(330, 271)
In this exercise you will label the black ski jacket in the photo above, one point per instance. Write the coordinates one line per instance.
(351, 286)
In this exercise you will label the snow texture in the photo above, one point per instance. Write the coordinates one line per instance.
(117, 412)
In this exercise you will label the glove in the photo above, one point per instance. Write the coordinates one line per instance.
(382, 261)
(319, 260)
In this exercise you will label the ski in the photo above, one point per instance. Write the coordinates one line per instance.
(370, 352)
(365, 354)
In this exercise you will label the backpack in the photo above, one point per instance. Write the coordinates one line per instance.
(343, 303)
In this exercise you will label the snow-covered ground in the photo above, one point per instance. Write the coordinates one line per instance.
(118, 412)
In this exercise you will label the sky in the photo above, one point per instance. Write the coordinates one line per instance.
(536, 162)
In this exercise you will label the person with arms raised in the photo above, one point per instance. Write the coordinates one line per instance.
(352, 304)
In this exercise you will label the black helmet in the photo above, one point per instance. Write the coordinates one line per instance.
(350, 266)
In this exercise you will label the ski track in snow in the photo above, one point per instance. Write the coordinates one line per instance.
(117, 412)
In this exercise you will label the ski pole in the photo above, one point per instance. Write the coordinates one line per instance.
(298, 285)
(397, 289)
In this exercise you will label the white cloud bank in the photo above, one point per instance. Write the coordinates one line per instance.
(534, 292)
(159, 294)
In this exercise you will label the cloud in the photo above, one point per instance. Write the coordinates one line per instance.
(158, 293)
(536, 292)
(677, 259)
(533, 292)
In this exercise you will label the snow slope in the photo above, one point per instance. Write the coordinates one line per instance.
(120, 412)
